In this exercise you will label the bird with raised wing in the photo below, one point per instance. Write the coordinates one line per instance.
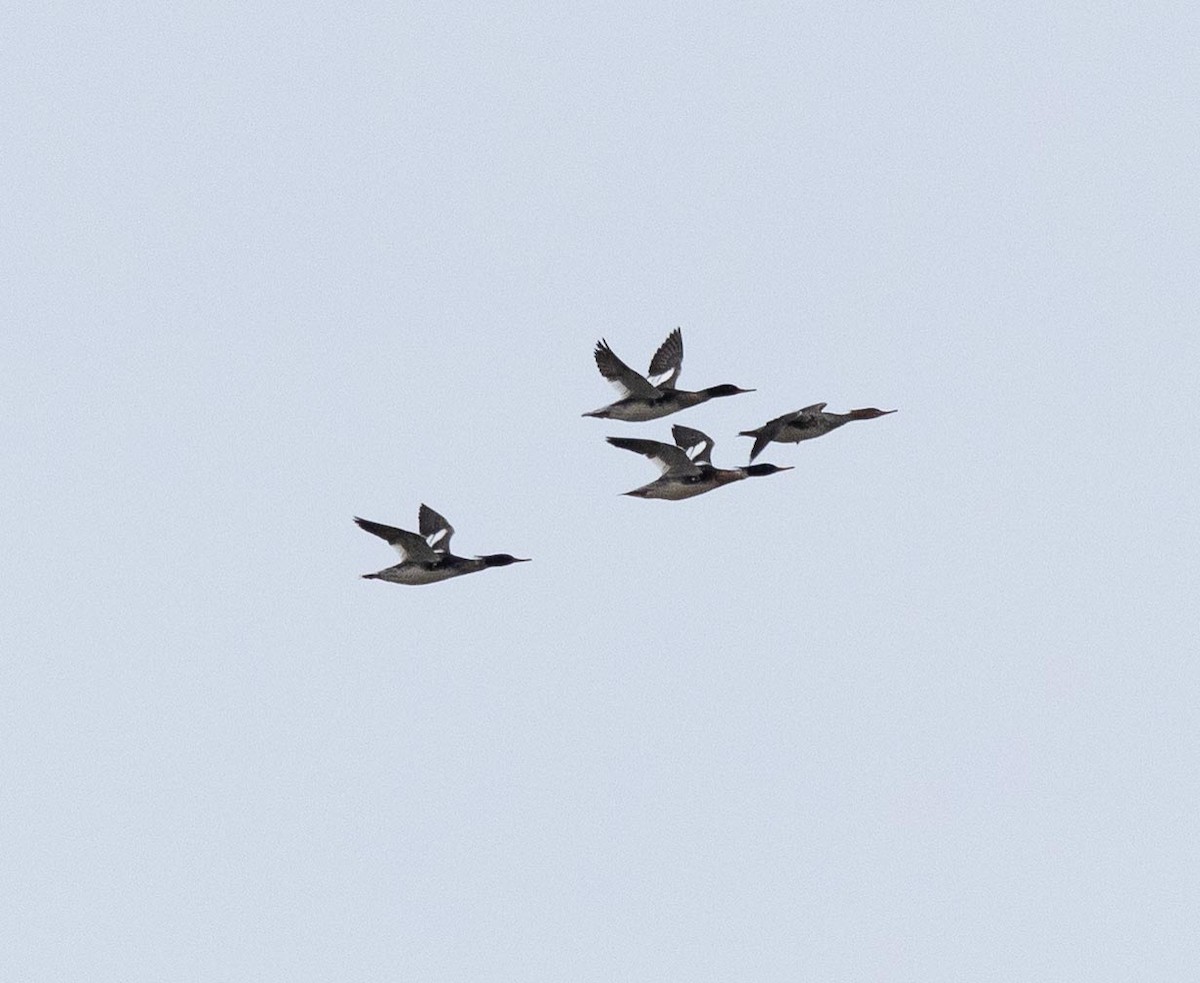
(425, 556)
(642, 399)
(686, 475)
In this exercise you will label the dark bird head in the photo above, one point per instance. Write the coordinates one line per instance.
(758, 470)
(868, 413)
(500, 560)
(725, 390)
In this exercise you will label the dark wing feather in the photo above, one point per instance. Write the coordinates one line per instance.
(670, 459)
(436, 530)
(621, 375)
(668, 358)
(765, 436)
(408, 544)
(687, 438)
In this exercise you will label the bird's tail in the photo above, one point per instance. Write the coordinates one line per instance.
(761, 438)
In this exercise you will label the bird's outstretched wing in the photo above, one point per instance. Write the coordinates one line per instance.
(409, 545)
(629, 383)
(671, 460)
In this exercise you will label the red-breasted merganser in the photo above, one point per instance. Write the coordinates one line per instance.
(684, 476)
(812, 421)
(426, 557)
(646, 400)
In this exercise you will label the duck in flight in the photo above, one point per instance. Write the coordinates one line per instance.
(426, 557)
(642, 399)
(812, 421)
(684, 475)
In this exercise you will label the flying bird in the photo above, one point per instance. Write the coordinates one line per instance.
(684, 475)
(425, 556)
(642, 399)
(812, 421)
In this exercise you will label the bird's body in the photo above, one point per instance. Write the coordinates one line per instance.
(415, 573)
(426, 556)
(642, 399)
(684, 476)
(812, 421)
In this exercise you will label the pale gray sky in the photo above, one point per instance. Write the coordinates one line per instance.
(924, 708)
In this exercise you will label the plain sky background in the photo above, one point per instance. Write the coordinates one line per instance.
(926, 708)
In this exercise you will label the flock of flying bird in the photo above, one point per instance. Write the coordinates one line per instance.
(686, 465)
